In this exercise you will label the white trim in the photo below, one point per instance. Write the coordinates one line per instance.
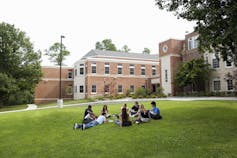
(216, 79)
(169, 55)
(56, 79)
(152, 62)
(63, 67)
(118, 75)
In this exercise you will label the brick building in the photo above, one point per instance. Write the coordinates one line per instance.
(48, 88)
(107, 73)
(101, 73)
(173, 52)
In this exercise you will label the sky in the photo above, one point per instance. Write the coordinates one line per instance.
(135, 23)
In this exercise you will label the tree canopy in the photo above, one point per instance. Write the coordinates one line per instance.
(216, 23)
(20, 68)
(146, 51)
(192, 73)
(54, 53)
(125, 49)
(106, 44)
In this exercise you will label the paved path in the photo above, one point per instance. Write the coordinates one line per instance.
(125, 100)
(31, 107)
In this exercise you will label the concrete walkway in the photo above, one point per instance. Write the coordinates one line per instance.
(31, 107)
(125, 100)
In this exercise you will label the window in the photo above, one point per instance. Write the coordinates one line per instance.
(131, 88)
(230, 85)
(193, 42)
(131, 68)
(143, 70)
(106, 68)
(120, 88)
(69, 75)
(166, 75)
(153, 69)
(106, 89)
(228, 63)
(120, 68)
(93, 68)
(75, 72)
(93, 88)
(69, 90)
(217, 85)
(215, 63)
(81, 89)
(81, 70)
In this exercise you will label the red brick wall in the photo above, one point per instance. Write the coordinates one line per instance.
(48, 88)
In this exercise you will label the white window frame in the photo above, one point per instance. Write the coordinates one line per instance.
(227, 86)
(213, 87)
(107, 65)
(93, 88)
(119, 89)
(193, 42)
(153, 68)
(80, 89)
(131, 66)
(93, 65)
(119, 66)
(166, 75)
(143, 68)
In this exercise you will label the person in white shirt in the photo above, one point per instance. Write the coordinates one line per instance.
(101, 119)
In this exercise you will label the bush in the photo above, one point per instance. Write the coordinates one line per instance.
(141, 93)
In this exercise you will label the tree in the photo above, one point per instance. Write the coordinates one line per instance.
(146, 51)
(106, 44)
(192, 73)
(20, 68)
(216, 23)
(54, 53)
(125, 49)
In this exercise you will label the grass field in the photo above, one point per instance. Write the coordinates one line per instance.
(189, 129)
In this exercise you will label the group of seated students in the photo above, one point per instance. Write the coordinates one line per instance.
(139, 112)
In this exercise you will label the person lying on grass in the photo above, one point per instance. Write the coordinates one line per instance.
(101, 119)
(155, 111)
(123, 118)
(105, 110)
(143, 115)
(89, 115)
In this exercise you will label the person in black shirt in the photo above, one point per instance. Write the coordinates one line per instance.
(134, 110)
(89, 115)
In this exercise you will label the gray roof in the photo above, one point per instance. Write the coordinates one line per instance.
(94, 53)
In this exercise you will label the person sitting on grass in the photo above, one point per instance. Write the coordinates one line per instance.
(143, 115)
(134, 110)
(155, 111)
(123, 119)
(89, 115)
(101, 119)
(105, 110)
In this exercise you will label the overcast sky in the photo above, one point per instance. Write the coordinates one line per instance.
(136, 23)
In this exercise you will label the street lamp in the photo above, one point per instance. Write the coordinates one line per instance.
(60, 100)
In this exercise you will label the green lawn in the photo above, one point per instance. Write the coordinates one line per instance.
(12, 107)
(189, 129)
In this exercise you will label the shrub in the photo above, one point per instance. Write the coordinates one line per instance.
(140, 93)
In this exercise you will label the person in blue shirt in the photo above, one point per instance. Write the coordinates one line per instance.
(155, 111)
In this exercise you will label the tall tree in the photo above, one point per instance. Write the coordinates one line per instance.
(125, 49)
(192, 73)
(146, 51)
(20, 68)
(106, 44)
(216, 23)
(54, 53)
